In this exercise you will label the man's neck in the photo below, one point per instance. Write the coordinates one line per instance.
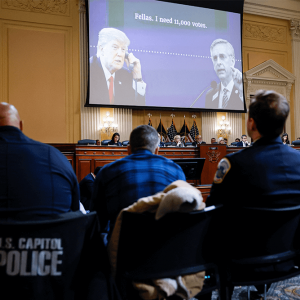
(226, 81)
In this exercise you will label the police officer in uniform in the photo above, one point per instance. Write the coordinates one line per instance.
(264, 175)
(267, 168)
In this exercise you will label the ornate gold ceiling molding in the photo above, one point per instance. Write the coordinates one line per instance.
(275, 34)
(56, 7)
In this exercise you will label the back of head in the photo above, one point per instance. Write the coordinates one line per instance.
(144, 137)
(269, 110)
(9, 115)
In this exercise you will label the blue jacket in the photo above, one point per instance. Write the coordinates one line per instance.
(264, 175)
(35, 178)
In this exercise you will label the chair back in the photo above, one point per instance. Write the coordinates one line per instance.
(57, 258)
(177, 244)
(297, 142)
(125, 143)
(168, 144)
(105, 142)
(260, 232)
(87, 142)
(233, 143)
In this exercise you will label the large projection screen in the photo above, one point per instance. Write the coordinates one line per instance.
(164, 55)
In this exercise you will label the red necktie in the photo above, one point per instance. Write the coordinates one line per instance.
(111, 90)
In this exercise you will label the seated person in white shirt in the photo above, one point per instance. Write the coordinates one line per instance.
(228, 94)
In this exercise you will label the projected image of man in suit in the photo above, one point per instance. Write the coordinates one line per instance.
(228, 94)
(110, 82)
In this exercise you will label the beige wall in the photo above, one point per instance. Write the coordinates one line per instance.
(40, 67)
(267, 38)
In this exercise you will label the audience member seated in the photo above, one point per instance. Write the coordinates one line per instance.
(225, 141)
(140, 174)
(97, 142)
(198, 141)
(298, 138)
(237, 140)
(86, 188)
(177, 141)
(115, 140)
(213, 141)
(244, 142)
(285, 139)
(36, 179)
(161, 144)
(266, 174)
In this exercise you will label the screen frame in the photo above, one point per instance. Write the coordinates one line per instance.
(235, 6)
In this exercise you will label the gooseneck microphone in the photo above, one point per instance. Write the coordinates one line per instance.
(213, 85)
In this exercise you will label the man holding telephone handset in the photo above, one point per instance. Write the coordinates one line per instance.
(110, 82)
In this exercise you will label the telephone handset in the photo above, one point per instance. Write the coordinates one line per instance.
(131, 66)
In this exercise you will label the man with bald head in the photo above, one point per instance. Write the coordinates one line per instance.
(36, 179)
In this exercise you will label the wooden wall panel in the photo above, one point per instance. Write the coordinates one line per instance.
(39, 57)
(40, 67)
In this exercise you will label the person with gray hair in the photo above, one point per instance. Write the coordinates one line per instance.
(140, 174)
(110, 82)
(228, 94)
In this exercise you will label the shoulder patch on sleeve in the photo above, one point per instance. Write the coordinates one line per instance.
(223, 168)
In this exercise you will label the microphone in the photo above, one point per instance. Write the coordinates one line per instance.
(213, 85)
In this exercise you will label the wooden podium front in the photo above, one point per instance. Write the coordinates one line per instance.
(212, 153)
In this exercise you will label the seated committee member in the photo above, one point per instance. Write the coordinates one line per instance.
(110, 82)
(285, 139)
(228, 93)
(140, 174)
(177, 141)
(243, 142)
(213, 141)
(115, 140)
(198, 141)
(35, 179)
(221, 140)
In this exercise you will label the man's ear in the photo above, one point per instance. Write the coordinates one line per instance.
(156, 150)
(129, 149)
(101, 50)
(252, 124)
(21, 125)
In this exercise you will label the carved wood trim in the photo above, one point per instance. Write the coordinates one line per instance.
(55, 7)
(274, 34)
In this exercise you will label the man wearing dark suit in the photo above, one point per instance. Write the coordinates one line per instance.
(228, 94)
(198, 141)
(266, 174)
(244, 142)
(110, 82)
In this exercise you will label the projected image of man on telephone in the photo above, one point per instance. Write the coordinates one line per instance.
(110, 81)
